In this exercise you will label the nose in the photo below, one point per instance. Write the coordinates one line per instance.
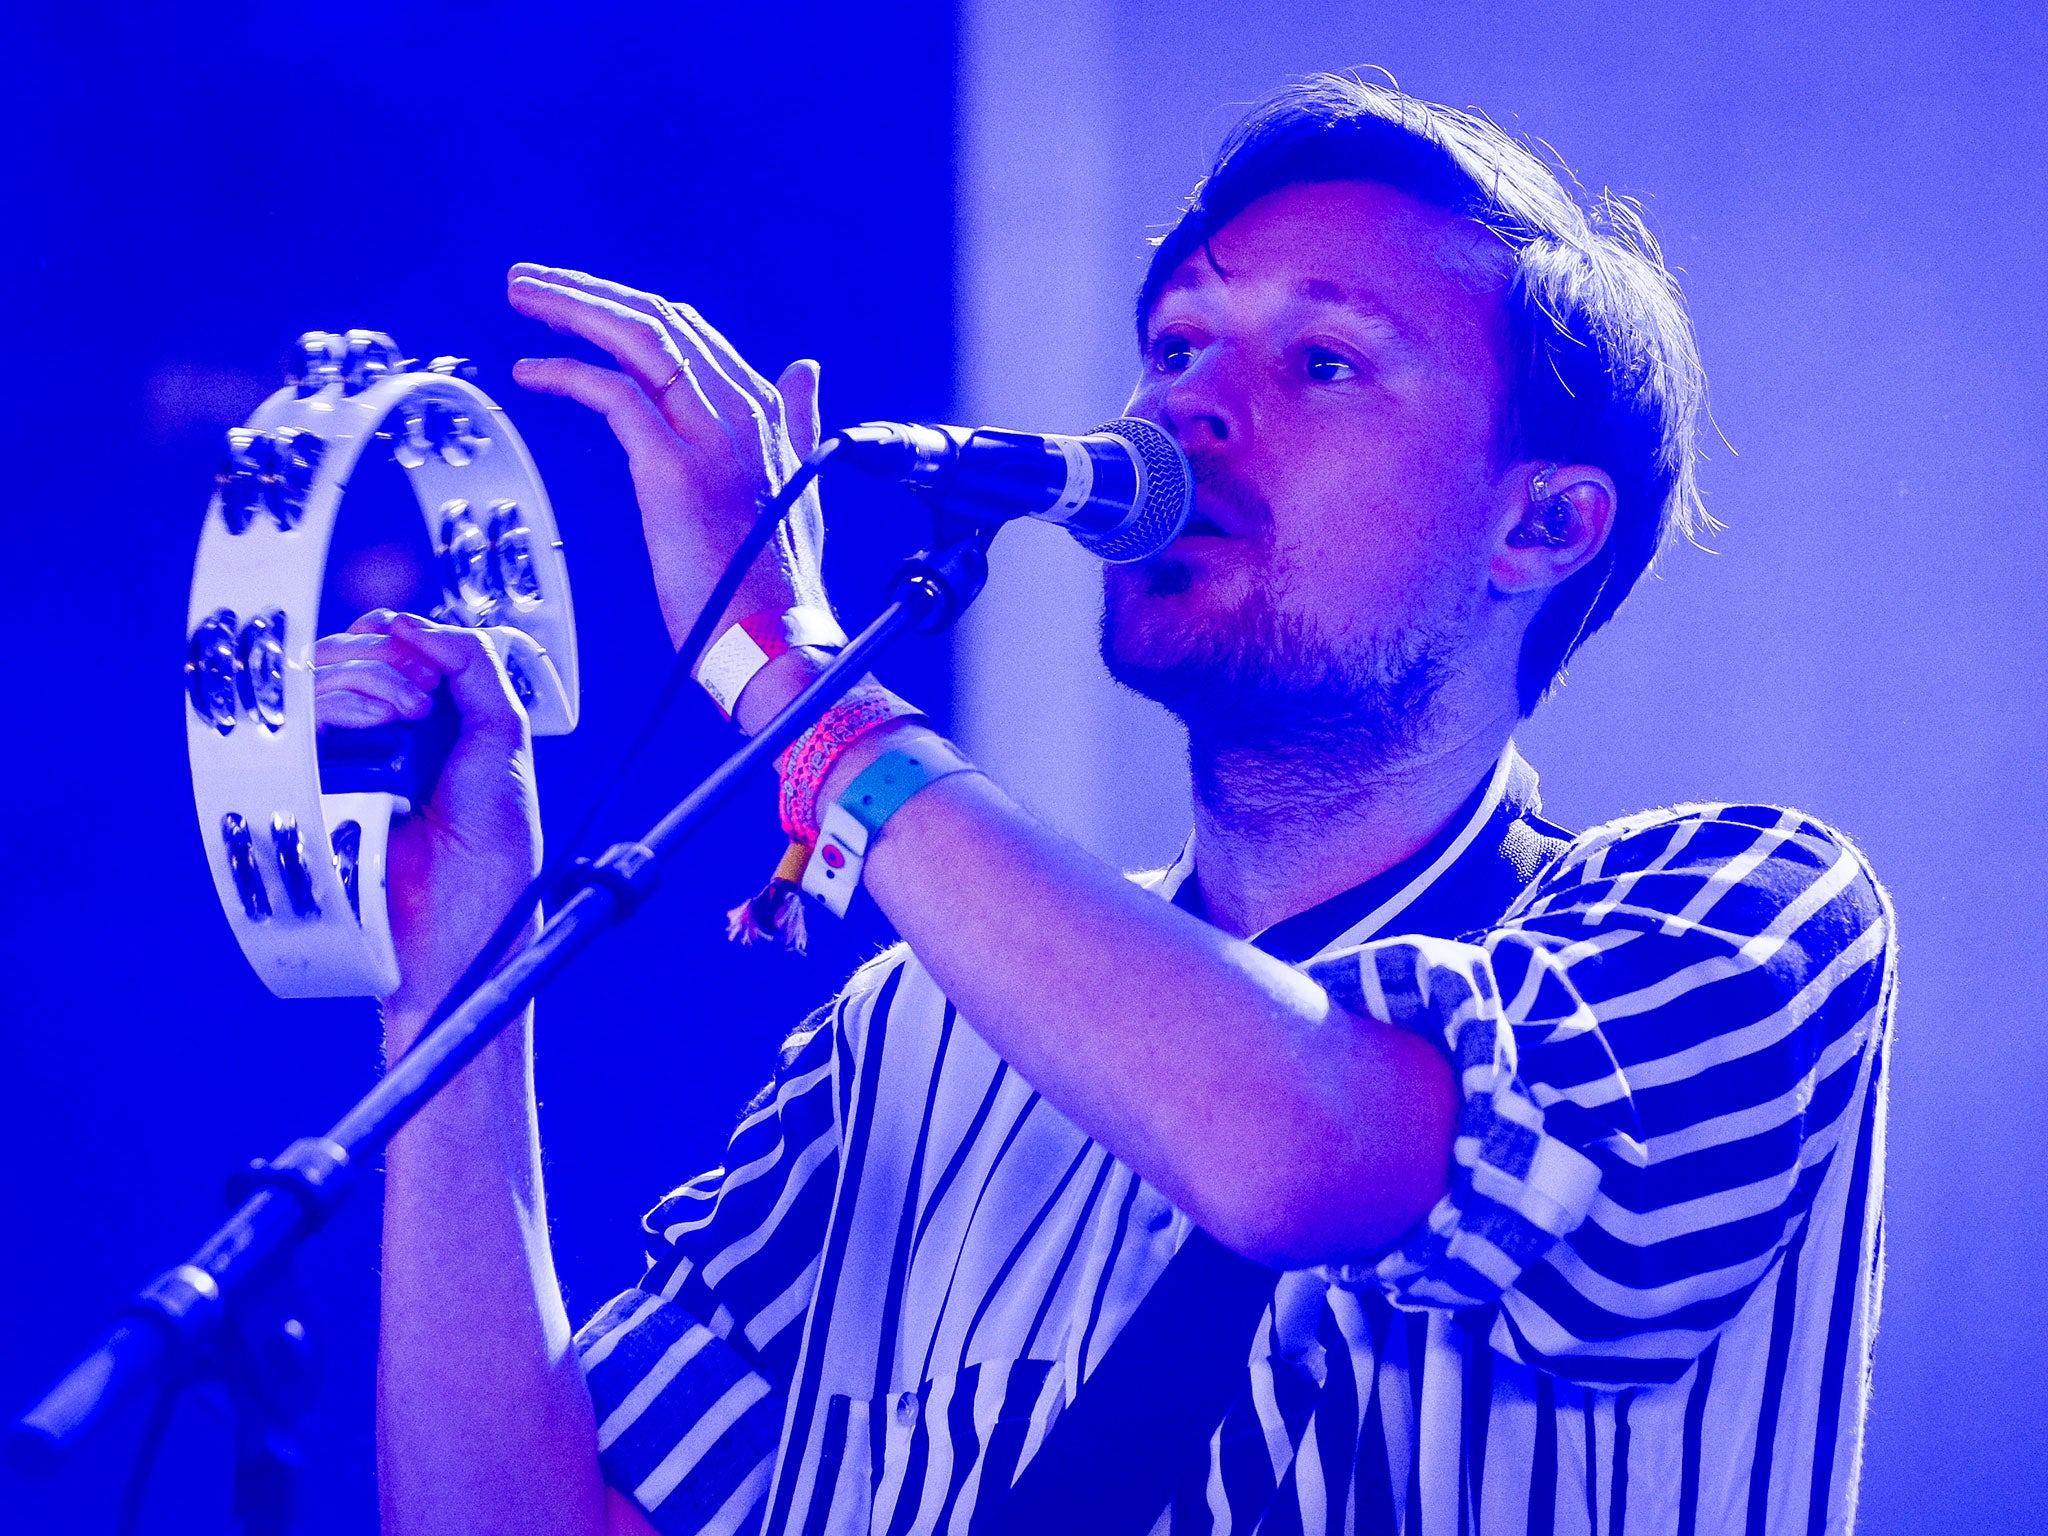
(1200, 406)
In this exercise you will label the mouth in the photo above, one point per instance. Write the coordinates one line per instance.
(1201, 525)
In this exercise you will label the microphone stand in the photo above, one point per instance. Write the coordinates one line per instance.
(225, 1314)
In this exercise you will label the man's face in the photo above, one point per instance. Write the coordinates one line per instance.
(1332, 366)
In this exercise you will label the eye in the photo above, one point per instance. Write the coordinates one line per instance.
(1326, 367)
(1175, 352)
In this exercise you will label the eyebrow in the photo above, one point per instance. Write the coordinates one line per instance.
(1313, 290)
(1321, 290)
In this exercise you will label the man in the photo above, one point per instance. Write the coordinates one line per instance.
(1564, 1154)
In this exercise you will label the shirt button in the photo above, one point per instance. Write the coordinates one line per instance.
(906, 1409)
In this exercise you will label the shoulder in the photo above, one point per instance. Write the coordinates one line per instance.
(877, 981)
(1743, 871)
(843, 1020)
(879, 971)
(892, 991)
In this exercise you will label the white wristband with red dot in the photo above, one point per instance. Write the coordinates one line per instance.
(849, 826)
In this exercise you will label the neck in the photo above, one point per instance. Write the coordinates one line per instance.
(1285, 826)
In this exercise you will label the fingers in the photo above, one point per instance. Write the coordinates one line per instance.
(475, 674)
(393, 662)
(339, 709)
(724, 353)
(377, 681)
(798, 387)
(641, 343)
(659, 356)
(363, 679)
(690, 329)
(634, 420)
(374, 645)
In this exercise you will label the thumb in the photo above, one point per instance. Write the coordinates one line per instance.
(799, 387)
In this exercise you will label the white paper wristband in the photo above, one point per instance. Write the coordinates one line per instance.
(731, 661)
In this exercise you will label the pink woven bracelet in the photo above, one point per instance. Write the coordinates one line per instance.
(866, 708)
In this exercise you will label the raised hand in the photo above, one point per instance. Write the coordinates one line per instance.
(708, 439)
(458, 862)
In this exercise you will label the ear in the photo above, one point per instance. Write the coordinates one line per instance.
(1553, 529)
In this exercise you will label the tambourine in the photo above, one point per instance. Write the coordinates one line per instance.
(296, 823)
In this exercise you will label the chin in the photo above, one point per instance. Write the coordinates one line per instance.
(1162, 626)
(1239, 673)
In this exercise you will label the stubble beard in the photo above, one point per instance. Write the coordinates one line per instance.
(1282, 723)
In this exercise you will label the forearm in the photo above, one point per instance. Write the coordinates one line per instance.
(1292, 1131)
(483, 1420)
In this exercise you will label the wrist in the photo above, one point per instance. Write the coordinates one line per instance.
(782, 679)
(850, 764)
(406, 1023)
(740, 651)
(687, 566)
(903, 767)
(841, 782)
(429, 972)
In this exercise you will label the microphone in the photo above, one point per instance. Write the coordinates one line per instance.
(1124, 491)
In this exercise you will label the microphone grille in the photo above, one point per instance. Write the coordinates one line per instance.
(1166, 495)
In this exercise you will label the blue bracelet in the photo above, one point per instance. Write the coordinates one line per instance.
(850, 825)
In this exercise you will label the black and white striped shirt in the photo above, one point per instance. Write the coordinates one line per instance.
(1644, 1308)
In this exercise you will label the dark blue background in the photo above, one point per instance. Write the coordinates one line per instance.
(1853, 194)
(189, 188)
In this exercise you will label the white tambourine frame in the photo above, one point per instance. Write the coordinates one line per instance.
(256, 775)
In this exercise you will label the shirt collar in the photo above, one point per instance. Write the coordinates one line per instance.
(1462, 879)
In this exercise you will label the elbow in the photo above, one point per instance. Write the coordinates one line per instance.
(1343, 1187)
(1304, 1225)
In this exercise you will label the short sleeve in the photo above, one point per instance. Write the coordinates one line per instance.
(689, 1370)
(1657, 1051)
